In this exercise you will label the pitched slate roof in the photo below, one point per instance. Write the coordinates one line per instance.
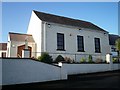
(20, 37)
(113, 38)
(3, 46)
(66, 21)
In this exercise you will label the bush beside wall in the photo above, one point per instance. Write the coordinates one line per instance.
(46, 58)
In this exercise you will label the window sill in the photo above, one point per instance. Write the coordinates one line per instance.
(97, 52)
(61, 50)
(80, 51)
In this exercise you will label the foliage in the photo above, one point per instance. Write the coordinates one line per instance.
(98, 60)
(115, 59)
(59, 59)
(68, 60)
(90, 59)
(39, 58)
(46, 58)
(117, 45)
(82, 60)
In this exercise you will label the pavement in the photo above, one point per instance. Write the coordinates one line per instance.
(94, 80)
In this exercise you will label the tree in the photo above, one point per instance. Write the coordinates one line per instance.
(117, 45)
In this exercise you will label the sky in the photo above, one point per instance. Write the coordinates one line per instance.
(16, 15)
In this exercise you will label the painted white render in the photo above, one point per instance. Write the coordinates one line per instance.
(1, 73)
(19, 71)
(35, 29)
(88, 68)
(45, 36)
(71, 41)
(13, 47)
(8, 46)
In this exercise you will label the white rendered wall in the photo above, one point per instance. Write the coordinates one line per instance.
(88, 68)
(46, 37)
(71, 41)
(14, 46)
(116, 66)
(35, 29)
(8, 48)
(0, 73)
(19, 71)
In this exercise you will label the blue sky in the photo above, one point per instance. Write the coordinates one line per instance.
(16, 16)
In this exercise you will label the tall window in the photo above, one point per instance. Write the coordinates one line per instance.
(60, 41)
(97, 45)
(80, 43)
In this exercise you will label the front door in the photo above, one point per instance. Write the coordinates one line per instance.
(20, 48)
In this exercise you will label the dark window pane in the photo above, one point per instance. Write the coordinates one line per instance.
(97, 45)
(60, 41)
(80, 43)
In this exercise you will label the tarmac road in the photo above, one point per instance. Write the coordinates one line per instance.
(96, 80)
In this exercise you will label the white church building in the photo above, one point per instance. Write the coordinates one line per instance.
(59, 35)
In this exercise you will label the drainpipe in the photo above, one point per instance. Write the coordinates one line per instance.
(44, 32)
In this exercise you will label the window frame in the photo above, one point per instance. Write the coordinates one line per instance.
(80, 44)
(60, 42)
(97, 45)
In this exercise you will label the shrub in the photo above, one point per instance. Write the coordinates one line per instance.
(68, 60)
(90, 59)
(82, 60)
(59, 59)
(39, 58)
(115, 59)
(99, 60)
(46, 58)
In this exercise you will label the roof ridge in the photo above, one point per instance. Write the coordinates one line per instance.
(20, 37)
(66, 20)
(62, 16)
(114, 34)
(20, 33)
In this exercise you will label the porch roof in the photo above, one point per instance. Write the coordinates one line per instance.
(20, 37)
